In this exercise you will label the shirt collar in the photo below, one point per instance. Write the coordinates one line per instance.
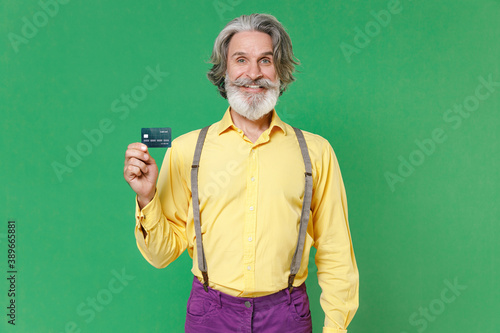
(227, 122)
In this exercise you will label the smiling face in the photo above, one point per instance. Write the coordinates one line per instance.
(251, 80)
(250, 55)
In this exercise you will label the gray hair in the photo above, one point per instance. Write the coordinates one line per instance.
(283, 58)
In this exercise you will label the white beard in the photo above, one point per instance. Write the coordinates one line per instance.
(252, 106)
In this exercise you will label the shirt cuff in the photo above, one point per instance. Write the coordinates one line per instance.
(150, 214)
(333, 330)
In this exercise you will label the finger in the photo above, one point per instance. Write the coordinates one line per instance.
(134, 153)
(140, 164)
(133, 170)
(143, 156)
(138, 146)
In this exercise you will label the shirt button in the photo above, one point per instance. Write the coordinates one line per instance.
(248, 304)
(252, 179)
(251, 208)
(249, 267)
(249, 239)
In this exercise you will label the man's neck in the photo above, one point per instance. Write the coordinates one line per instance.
(252, 128)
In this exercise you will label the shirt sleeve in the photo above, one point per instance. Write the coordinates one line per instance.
(163, 220)
(338, 274)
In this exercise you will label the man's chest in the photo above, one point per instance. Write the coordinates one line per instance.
(266, 173)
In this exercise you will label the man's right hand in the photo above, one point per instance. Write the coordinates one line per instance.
(140, 172)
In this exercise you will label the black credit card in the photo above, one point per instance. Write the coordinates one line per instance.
(156, 137)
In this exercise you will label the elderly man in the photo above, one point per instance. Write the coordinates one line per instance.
(247, 197)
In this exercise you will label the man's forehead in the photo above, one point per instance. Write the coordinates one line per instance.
(250, 42)
(238, 53)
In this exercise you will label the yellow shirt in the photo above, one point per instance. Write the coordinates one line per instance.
(250, 205)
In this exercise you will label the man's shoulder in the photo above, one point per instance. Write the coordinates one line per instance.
(320, 149)
(187, 141)
(187, 138)
(315, 138)
(315, 141)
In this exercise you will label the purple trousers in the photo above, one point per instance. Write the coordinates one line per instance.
(218, 312)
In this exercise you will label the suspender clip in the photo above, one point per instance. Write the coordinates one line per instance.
(308, 174)
(290, 282)
(195, 166)
(205, 281)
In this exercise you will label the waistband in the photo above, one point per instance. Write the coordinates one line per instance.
(261, 301)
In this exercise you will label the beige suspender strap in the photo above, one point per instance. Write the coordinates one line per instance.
(304, 218)
(202, 263)
(306, 206)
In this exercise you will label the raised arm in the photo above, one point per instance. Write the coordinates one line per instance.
(161, 206)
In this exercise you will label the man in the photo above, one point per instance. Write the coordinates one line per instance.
(247, 198)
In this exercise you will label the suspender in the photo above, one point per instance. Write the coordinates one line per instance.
(306, 206)
(202, 263)
(304, 218)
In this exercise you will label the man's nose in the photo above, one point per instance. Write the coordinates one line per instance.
(254, 71)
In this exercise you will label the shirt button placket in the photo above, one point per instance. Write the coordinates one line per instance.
(251, 221)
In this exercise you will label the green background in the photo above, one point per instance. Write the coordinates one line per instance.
(439, 225)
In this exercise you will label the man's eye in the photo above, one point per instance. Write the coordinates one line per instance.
(266, 61)
(240, 60)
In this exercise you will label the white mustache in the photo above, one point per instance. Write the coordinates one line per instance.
(264, 83)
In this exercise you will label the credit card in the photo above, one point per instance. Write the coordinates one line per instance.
(156, 137)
